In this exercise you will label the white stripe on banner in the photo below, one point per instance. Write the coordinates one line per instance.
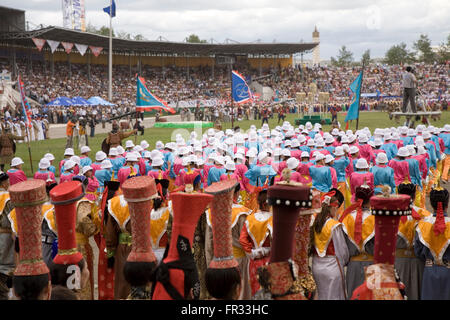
(53, 44)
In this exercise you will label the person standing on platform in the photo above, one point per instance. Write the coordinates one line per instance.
(409, 83)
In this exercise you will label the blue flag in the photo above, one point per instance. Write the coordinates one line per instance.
(240, 90)
(145, 100)
(355, 87)
(113, 7)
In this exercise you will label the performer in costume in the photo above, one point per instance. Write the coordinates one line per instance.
(222, 277)
(44, 173)
(68, 173)
(410, 268)
(320, 174)
(255, 238)
(31, 280)
(431, 244)
(138, 270)
(69, 262)
(445, 136)
(329, 250)
(382, 174)
(279, 278)
(341, 162)
(400, 166)
(358, 226)
(16, 173)
(49, 230)
(176, 275)
(159, 216)
(381, 281)
(361, 176)
(7, 254)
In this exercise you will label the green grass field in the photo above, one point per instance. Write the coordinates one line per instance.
(371, 120)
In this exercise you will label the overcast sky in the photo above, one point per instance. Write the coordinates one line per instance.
(358, 24)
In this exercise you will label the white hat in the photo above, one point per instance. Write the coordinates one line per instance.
(403, 152)
(69, 164)
(85, 149)
(419, 141)
(421, 150)
(295, 143)
(277, 152)
(129, 144)
(287, 143)
(211, 132)
(252, 153)
(147, 155)
(426, 135)
(144, 144)
(200, 161)
(44, 163)
(310, 143)
(377, 142)
(335, 132)
(351, 138)
(319, 156)
(305, 154)
(382, 158)
(220, 160)
(320, 143)
(301, 139)
(285, 153)
(353, 150)
(49, 156)
(239, 155)
(69, 152)
(292, 163)
(120, 150)
(131, 157)
(339, 151)
(404, 130)
(329, 139)
(76, 159)
(100, 155)
(229, 165)
(363, 138)
(156, 162)
(86, 169)
(329, 158)
(138, 155)
(183, 151)
(447, 128)
(289, 133)
(411, 149)
(346, 147)
(361, 164)
(158, 145)
(113, 152)
(106, 164)
(387, 136)
(262, 155)
(411, 132)
(344, 139)
(138, 148)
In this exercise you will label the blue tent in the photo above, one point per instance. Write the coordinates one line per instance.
(60, 101)
(79, 101)
(98, 101)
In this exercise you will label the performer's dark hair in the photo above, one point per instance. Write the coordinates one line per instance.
(30, 287)
(58, 272)
(262, 199)
(139, 274)
(408, 189)
(408, 68)
(222, 283)
(62, 293)
(237, 188)
(437, 196)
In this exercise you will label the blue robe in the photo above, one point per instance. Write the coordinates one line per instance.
(330, 149)
(102, 176)
(340, 165)
(407, 141)
(390, 149)
(85, 162)
(117, 164)
(305, 148)
(52, 169)
(321, 178)
(432, 152)
(258, 174)
(383, 176)
(214, 175)
(256, 145)
(446, 137)
(414, 172)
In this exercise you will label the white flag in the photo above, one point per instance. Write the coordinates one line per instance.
(81, 48)
(53, 44)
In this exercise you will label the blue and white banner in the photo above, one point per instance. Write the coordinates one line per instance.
(240, 91)
(74, 16)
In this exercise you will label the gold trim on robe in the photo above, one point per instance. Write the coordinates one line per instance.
(368, 228)
(437, 244)
(158, 225)
(4, 198)
(118, 208)
(236, 211)
(258, 230)
(322, 239)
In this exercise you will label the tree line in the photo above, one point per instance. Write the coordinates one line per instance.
(400, 54)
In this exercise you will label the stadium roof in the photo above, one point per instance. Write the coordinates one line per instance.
(122, 45)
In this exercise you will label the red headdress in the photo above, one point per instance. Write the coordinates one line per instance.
(221, 207)
(65, 197)
(27, 198)
(139, 192)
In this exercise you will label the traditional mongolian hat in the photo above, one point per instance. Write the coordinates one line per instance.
(27, 198)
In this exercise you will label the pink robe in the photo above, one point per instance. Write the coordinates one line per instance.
(142, 167)
(229, 176)
(366, 152)
(279, 166)
(295, 177)
(240, 171)
(45, 176)
(398, 143)
(333, 177)
(357, 179)
(124, 173)
(177, 165)
(422, 164)
(401, 170)
(65, 178)
(95, 167)
(92, 187)
(296, 153)
(16, 176)
(155, 174)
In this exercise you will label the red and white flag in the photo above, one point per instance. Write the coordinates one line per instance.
(67, 46)
(96, 50)
(39, 43)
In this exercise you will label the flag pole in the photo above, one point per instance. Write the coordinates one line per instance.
(359, 94)
(29, 149)
(110, 54)
(22, 96)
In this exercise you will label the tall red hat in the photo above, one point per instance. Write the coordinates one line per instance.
(65, 197)
(279, 276)
(187, 209)
(221, 208)
(387, 211)
(139, 192)
(27, 198)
